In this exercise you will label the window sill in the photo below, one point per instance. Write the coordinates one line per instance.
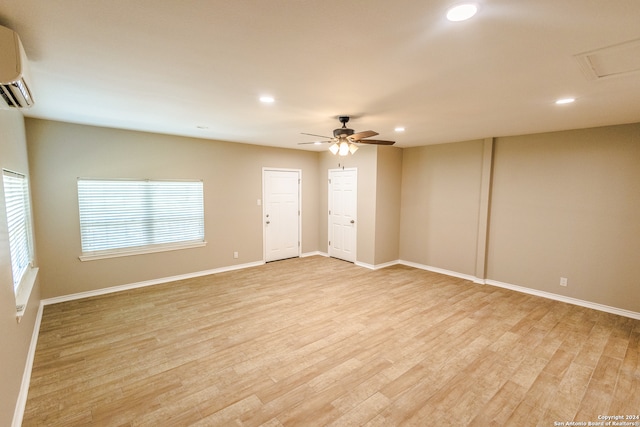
(24, 291)
(92, 256)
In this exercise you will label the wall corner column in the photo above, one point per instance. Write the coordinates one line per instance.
(483, 211)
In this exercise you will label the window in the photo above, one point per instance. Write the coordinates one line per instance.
(122, 217)
(16, 194)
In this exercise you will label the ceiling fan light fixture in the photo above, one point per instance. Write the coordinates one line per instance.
(461, 12)
(344, 148)
(345, 141)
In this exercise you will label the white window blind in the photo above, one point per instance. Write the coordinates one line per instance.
(120, 215)
(16, 195)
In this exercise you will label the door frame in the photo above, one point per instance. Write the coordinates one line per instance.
(264, 207)
(329, 235)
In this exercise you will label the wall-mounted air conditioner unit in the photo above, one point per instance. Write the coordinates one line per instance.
(14, 79)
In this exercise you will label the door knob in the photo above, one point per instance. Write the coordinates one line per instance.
(268, 222)
(353, 221)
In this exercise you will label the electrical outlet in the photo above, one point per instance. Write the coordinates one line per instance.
(235, 254)
(564, 281)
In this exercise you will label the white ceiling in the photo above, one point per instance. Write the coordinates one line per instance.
(172, 66)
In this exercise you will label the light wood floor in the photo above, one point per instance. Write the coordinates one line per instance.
(318, 341)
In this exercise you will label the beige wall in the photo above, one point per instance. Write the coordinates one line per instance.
(379, 177)
(387, 210)
(365, 161)
(14, 337)
(440, 205)
(59, 153)
(562, 204)
(567, 204)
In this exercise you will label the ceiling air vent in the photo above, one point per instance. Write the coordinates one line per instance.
(14, 86)
(613, 61)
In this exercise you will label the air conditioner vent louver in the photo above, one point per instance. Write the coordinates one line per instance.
(16, 95)
(14, 73)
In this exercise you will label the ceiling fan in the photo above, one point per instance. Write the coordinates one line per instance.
(344, 139)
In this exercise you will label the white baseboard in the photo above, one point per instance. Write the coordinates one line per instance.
(21, 404)
(358, 263)
(365, 265)
(152, 282)
(568, 300)
(530, 291)
(376, 266)
(442, 271)
(308, 254)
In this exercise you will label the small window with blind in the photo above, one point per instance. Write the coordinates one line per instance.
(121, 217)
(16, 196)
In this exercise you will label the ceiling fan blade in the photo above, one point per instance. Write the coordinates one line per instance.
(375, 141)
(364, 134)
(315, 142)
(320, 136)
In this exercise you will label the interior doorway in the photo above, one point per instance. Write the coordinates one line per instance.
(343, 226)
(281, 213)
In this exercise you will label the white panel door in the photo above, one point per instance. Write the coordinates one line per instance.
(342, 213)
(281, 214)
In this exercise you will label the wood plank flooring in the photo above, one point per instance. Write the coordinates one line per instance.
(317, 341)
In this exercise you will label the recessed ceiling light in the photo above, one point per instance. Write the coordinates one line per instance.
(462, 12)
(317, 143)
(399, 129)
(267, 99)
(565, 101)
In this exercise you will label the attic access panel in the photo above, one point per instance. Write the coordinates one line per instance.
(612, 61)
